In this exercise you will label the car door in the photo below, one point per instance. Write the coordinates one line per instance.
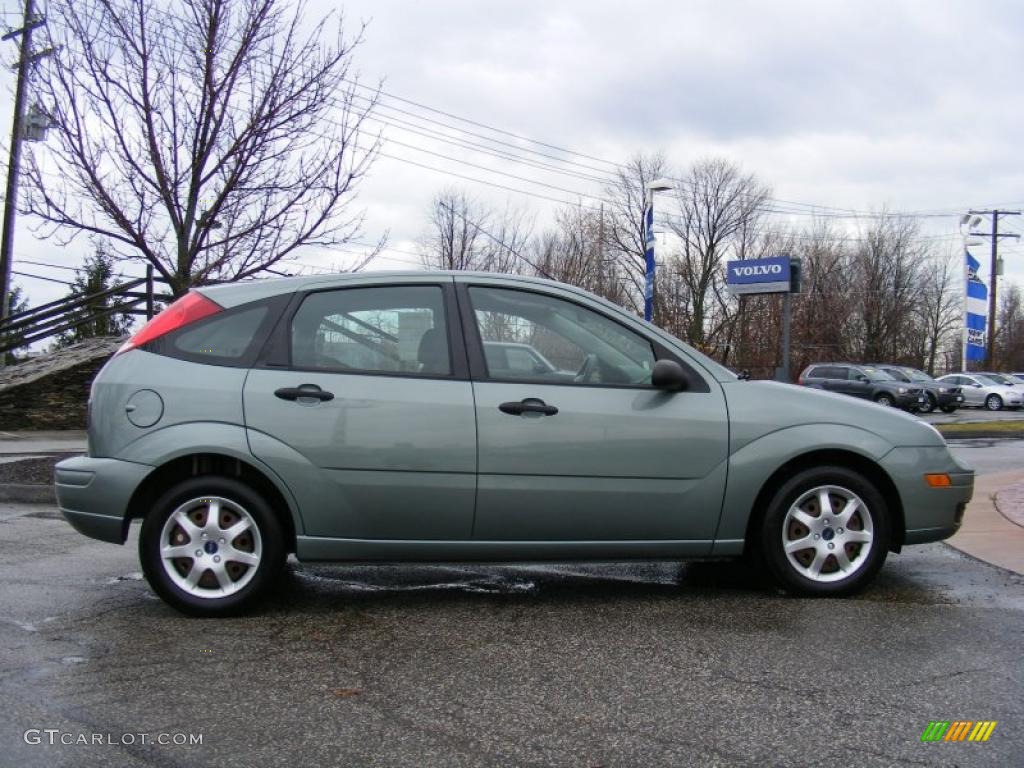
(835, 379)
(974, 392)
(857, 383)
(363, 405)
(589, 451)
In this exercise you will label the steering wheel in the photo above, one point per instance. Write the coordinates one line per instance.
(587, 369)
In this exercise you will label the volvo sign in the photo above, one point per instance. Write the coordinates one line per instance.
(759, 275)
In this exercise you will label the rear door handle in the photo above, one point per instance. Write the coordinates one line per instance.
(528, 405)
(303, 390)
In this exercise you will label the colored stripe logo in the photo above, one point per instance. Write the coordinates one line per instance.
(958, 730)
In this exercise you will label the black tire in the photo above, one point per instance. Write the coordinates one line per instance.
(929, 404)
(270, 541)
(994, 403)
(793, 577)
(885, 399)
(949, 408)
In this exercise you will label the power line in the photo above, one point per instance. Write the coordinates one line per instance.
(41, 277)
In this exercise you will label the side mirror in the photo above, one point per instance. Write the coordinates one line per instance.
(669, 375)
(864, 379)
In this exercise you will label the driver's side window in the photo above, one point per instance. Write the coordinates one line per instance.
(534, 337)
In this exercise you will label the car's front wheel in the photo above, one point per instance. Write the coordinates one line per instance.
(949, 408)
(210, 546)
(928, 405)
(825, 532)
(885, 400)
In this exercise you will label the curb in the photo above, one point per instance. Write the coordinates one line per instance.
(28, 494)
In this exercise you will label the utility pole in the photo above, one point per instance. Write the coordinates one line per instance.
(25, 60)
(990, 347)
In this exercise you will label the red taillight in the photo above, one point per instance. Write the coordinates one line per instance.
(189, 308)
(800, 379)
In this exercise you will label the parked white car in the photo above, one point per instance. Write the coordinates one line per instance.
(984, 392)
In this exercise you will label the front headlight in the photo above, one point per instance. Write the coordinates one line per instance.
(902, 390)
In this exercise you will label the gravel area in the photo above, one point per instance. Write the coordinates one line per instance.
(33, 471)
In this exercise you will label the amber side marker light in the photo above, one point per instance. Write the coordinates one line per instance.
(938, 480)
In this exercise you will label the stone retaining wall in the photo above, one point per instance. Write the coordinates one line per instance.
(51, 391)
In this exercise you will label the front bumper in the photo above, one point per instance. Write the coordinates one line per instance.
(910, 400)
(948, 399)
(93, 494)
(929, 514)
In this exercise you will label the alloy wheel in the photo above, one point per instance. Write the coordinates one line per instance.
(210, 547)
(827, 533)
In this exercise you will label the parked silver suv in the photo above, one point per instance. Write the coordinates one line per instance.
(358, 418)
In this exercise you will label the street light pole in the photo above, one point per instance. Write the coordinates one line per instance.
(658, 185)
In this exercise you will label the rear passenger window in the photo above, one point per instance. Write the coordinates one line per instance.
(393, 329)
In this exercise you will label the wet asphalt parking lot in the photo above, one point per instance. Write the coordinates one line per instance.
(598, 665)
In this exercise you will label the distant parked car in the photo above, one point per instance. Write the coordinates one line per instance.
(513, 358)
(1018, 376)
(982, 391)
(866, 381)
(1001, 378)
(943, 396)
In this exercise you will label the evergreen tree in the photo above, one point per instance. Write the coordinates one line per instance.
(96, 276)
(19, 303)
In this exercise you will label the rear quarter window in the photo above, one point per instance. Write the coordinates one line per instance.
(232, 337)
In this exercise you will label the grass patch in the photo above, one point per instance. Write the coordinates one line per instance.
(986, 427)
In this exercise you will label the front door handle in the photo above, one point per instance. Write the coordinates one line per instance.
(303, 391)
(529, 405)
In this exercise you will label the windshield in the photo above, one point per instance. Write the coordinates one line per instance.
(877, 374)
(916, 375)
(988, 378)
(898, 373)
(1002, 379)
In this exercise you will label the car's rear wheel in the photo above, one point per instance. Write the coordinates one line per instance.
(994, 403)
(211, 546)
(825, 532)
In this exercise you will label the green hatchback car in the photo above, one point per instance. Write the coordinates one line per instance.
(355, 418)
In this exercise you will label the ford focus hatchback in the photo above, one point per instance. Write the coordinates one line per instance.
(371, 418)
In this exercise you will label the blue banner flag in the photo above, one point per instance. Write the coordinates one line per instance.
(975, 310)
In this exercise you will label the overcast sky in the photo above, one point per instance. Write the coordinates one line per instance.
(911, 105)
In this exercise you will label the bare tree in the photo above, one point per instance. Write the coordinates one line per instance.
(940, 306)
(573, 251)
(886, 269)
(454, 240)
(210, 138)
(719, 205)
(1010, 329)
(466, 234)
(823, 311)
(624, 231)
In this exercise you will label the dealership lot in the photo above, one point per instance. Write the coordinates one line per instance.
(655, 664)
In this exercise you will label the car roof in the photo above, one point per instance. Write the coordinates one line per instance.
(234, 293)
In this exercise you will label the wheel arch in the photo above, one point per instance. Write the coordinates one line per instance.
(829, 457)
(212, 463)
